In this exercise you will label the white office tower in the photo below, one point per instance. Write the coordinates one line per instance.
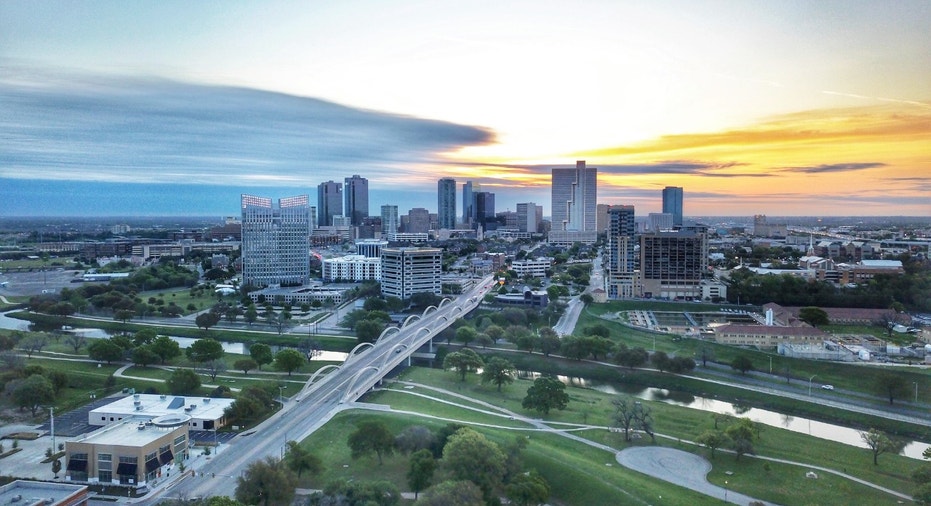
(574, 192)
(406, 271)
(275, 241)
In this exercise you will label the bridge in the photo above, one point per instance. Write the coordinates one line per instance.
(324, 394)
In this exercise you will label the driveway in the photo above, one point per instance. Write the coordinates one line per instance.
(680, 468)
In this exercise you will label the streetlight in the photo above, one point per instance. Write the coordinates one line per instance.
(725, 490)
(809, 383)
(51, 410)
(280, 388)
(916, 391)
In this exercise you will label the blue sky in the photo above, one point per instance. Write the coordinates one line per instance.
(779, 107)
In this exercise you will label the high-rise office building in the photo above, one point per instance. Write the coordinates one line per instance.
(484, 208)
(275, 241)
(418, 221)
(406, 271)
(672, 203)
(468, 202)
(622, 260)
(659, 221)
(574, 194)
(356, 192)
(389, 219)
(329, 202)
(672, 263)
(529, 217)
(446, 202)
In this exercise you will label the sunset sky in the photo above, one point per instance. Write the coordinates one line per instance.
(177, 107)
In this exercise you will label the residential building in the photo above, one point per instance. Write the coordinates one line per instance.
(329, 202)
(275, 241)
(672, 203)
(418, 221)
(413, 237)
(673, 263)
(574, 195)
(659, 221)
(389, 219)
(622, 259)
(356, 193)
(446, 202)
(601, 217)
(351, 268)
(406, 271)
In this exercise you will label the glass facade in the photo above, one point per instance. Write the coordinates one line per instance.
(275, 241)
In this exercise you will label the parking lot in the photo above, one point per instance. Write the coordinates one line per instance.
(35, 282)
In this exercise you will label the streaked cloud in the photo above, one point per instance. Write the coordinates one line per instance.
(835, 167)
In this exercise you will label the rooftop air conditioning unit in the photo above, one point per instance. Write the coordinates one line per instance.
(206, 400)
(141, 426)
(162, 397)
(135, 396)
(137, 403)
(138, 408)
(193, 406)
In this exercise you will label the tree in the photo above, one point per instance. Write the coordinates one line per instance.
(204, 350)
(466, 335)
(413, 439)
(33, 392)
(660, 360)
(892, 385)
(545, 394)
(33, 343)
(261, 353)
(495, 332)
(367, 331)
(742, 434)
(549, 341)
(252, 314)
(742, 363)
(528, 489)
(880, 443)
(76, 340)
(56, 467)
(420, 472)
(468, 455)
(166, 348)
(463, 361)
(207, 320)
(215, 367)
(182, 381)
(631, 357)
(143, 356)
(245, 365)
(289, 360)
(266, 482)
(453, 493)
(58, 378)
(144, 336)
(104, 350)
(712, 439)
(499, 371)
(299, 459)
(123, 315)
(371, 437)
(630, 414)
(813, 316)
(342, 492)
(586, 299)
(596, 330)
(705, 353)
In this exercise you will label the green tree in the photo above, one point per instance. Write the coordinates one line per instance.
(104, 350)
(33, 392)
(252, 314)
(631, 357)
(261, 353)
(453, 493)
(463, 361)
(182, 381)
(204, 350)
(143, 355)
(76, 340)
(123, 315)
(420, 472)
(371, 437)
(144, 336)
(742, 434)
(528, 489)
(891, 385)
(289, 360)
(214, 368)
(742, 363)
(545, 394)
(814, 316)
(549, 341)
(712, 439)
(207, 319)
(367, 331)
(880, 443)
(245, 365)
(299, 460)
(56, 467)
(414, 438)
(466, 335)
(468, 455)
(342, 492)
(58, 378)
(166, 348)
(499, 372)
(267, 482)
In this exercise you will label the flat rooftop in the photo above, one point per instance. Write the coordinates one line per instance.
(37, 492)
(153, 405)
(126, 433)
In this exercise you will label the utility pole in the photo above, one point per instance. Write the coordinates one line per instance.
(809, 383)
(51, 410)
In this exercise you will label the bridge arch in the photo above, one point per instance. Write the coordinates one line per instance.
(359, 349)
(425, 311)
(416, 335)
(384, 333)
(396, 349)
(409, 319)
(446, 300)
(352, 382)
(317, 374)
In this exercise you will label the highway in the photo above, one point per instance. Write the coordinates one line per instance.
(316, 404)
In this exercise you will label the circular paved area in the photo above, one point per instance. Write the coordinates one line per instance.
(679, 467)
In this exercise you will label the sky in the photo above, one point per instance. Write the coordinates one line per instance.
(176, 108)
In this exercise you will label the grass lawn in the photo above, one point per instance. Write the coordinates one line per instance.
(581, 474)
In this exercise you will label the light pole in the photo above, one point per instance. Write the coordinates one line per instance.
(916, 391)
(51, 410)
(809, 383)
(280, 388)
(725, 490)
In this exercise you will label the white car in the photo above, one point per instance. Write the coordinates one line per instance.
(827, 387)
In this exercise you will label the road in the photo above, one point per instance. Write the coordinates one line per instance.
(313, 407)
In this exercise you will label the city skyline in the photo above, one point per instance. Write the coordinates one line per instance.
(175, 109)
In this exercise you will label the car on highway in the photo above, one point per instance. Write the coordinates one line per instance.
(827, 387)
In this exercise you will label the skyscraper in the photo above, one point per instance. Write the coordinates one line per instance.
(575, 192)
(418, 221)
(389, 219)
(529, 217)
(329, 202)
(484, 208)
(357, 199)
(622, 262)
(672, 203)
(446, 202)
(468, 201)
(275, 241)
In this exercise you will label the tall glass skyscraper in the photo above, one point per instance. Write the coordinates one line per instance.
(389, 219)
(575, 192)
(672, 203)
(275, 241)
(329, 202)
(356, 191)
(446, 202)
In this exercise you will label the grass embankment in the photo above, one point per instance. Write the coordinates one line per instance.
(581, 474)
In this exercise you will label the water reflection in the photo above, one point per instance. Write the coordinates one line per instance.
(814, 428)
